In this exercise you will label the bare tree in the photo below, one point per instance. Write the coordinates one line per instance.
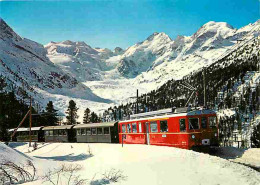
(58, 176)
(11, 173)
(114, 175)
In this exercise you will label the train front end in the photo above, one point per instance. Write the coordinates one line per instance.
(203, 129)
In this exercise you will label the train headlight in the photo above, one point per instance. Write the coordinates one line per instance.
(193, 136)
(216, 134)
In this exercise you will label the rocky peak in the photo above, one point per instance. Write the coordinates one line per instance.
(156, 36)
(7, 33)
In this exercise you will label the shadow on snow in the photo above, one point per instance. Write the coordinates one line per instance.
(69, 157)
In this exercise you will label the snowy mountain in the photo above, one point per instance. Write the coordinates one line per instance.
(79, 59)
(203, 48)
(140, 57)
(60, 71)
(149, 64)
(27, 69)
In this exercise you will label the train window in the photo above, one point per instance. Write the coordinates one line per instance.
(163, 126)
(204, 122)
(182, 125)
(88, 131)
(193, 123)
(94, 131)
(212, 122)
(153, 126)
(55, 133)
(78, 132)
(47, 133)
(134, 128)
(60, 132)
(83, 131)
(140, 127)
(64, 133)
(106, 130)
(128, 128)
(99, 131)
(123, 128)
(51, 132)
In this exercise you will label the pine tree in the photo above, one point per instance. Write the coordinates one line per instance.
(51, 114)
(3, 125)
(72, 113)
(94, 118)
(255, 138)
(86, 118)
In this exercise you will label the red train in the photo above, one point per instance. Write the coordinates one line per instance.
(180, 128)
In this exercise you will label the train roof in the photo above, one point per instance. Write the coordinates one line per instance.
(93, 125)
(25, 129)
(166, 113)
(61, 127)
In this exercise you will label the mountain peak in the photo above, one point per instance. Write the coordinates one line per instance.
(7, 32)
(214, 24)
(157, 35)
(211, 28)
(68, 42)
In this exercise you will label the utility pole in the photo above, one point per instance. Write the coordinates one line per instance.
(137, 108)
(204, 86)
(30, 134)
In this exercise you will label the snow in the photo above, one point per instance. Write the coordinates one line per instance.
(226, 112)
(9, 154)
(143, 164)
(249, 156)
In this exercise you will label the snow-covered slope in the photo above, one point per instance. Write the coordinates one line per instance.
(80, 60)
(149, 64)
(187, 54)
(24, 65)
(144, 164)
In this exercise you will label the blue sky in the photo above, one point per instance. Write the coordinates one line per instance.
(120, 22)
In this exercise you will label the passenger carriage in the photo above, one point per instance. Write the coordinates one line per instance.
(23, 134)
(182, 128)
(97, 132)
(63, 133)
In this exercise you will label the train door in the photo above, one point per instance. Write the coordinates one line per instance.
(147, 133)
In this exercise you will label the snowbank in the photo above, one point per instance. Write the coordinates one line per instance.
(144, 164)
(250, 157)
(9, 154)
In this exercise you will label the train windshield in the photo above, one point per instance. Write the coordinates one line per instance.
(193, 123)
(212, 122)
(204, 122)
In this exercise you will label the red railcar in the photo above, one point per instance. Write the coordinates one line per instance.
(182, 129)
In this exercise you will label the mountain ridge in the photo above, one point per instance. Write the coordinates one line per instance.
(99, 76)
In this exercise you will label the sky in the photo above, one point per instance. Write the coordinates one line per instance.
(108, 24)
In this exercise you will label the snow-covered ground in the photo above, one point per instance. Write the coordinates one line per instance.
(143, 164)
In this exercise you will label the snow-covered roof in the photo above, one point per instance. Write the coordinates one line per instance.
(58, 127)
(91, 125)
(25, 129)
